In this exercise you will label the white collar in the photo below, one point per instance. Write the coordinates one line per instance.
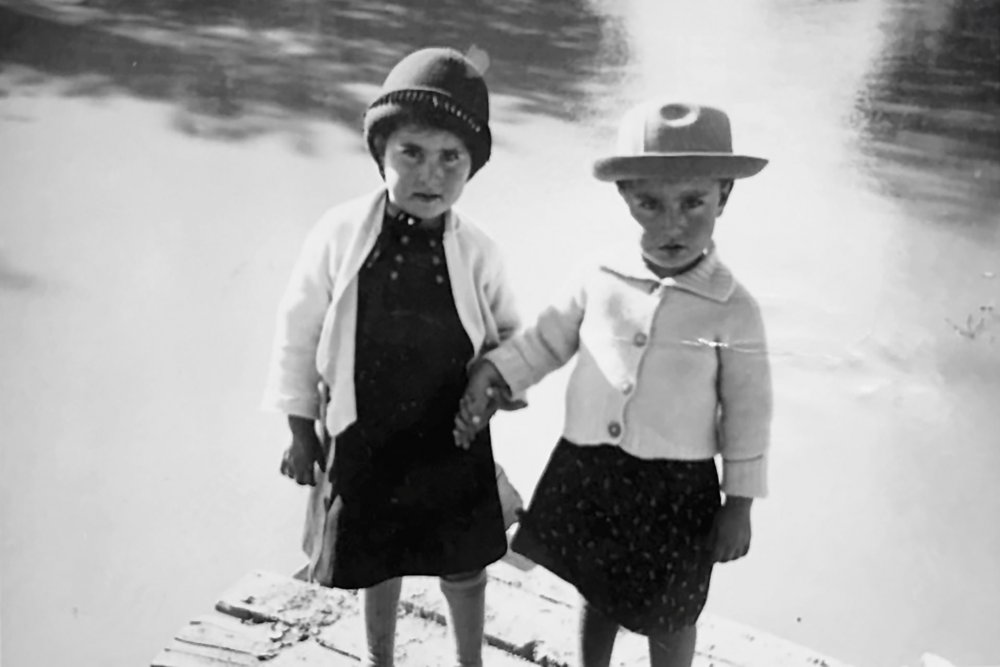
(710, 278)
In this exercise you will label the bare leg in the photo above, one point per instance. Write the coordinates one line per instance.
(597, 637)
(381, 601)
(466, 597)
(675, 649)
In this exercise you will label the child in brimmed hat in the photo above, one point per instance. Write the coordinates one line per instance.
(671, 372)
(392, 297)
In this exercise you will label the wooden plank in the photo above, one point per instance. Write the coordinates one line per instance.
(544, 629)
(727, 642)
(264, 597)
(311, 654)
(420, 641)
(250, 631)
(541, 595)
(181, 654)
(202, 634)
(531, 618)
(298, 655)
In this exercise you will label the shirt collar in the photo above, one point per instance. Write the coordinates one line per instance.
(403, 220)
(403, 224)
(710, 278)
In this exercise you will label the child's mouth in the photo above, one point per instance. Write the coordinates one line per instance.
(426, 196)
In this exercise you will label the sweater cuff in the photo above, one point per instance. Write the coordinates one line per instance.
(290, 405)
(747, 478)
(511, 366)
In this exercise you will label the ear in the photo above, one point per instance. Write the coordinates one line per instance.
(725, 189)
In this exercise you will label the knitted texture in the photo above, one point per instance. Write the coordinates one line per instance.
(438, 87)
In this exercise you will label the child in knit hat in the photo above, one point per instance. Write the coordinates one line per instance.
(671, 371)
(393, 295)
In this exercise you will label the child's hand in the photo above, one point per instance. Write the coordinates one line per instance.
(304, 453)
(731, 532)
(481, 400)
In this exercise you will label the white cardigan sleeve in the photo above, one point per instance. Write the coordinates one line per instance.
(293, 377)
(744, 385)
(526, 358)
(500, 300)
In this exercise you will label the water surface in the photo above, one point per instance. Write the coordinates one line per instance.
(162, 160)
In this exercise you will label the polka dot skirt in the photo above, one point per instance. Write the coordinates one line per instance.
(631, 534)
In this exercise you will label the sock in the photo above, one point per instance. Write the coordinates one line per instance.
(467, 603)
(380, 603)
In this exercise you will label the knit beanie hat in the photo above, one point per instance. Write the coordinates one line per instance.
(441, 87)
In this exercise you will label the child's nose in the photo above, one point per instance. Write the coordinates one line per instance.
(675, 219)
(432, 170)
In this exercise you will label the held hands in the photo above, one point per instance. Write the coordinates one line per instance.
(304, 453)
(731, 533)
(485, 393)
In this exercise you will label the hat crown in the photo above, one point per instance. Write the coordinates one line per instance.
(445, 72)
(674, 129)
(437, 86)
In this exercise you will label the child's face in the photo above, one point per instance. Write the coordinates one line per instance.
(425, 170)
(677, 218)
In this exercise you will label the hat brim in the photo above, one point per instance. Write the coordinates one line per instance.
(479, 144)
(677, 165)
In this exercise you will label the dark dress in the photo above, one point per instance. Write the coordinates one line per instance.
(406, 500)
(631, 534)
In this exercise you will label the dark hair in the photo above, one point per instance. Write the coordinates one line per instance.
(378, 135)
(626, 185)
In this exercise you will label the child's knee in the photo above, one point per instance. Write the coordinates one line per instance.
(463, 579)
(673, 636)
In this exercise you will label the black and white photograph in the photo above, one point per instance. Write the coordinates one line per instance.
(461, 333)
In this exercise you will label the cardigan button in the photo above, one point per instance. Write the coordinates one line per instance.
(640, 339)
(627, 387)
(614, 429)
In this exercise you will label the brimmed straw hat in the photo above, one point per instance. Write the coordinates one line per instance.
(441, 87)
(660, 139)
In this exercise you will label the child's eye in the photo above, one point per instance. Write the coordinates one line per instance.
(411, 151)
(648, 203)
(451, 157)
(692, 203)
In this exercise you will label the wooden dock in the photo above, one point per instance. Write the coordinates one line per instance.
(280, 621)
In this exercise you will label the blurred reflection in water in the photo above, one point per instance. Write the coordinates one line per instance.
(256, 67)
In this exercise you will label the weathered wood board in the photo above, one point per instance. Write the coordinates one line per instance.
(278, 621)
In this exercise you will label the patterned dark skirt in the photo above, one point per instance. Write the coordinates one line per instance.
(631, 534)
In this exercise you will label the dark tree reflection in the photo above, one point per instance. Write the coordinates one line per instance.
(932, 104)
(266, 60)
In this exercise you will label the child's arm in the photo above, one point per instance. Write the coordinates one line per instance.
(499, 298)
(744, 428)
(293, 379)
(544, 347)
(520, 362)
(305, 452)
(730, 536)
(485, 394)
